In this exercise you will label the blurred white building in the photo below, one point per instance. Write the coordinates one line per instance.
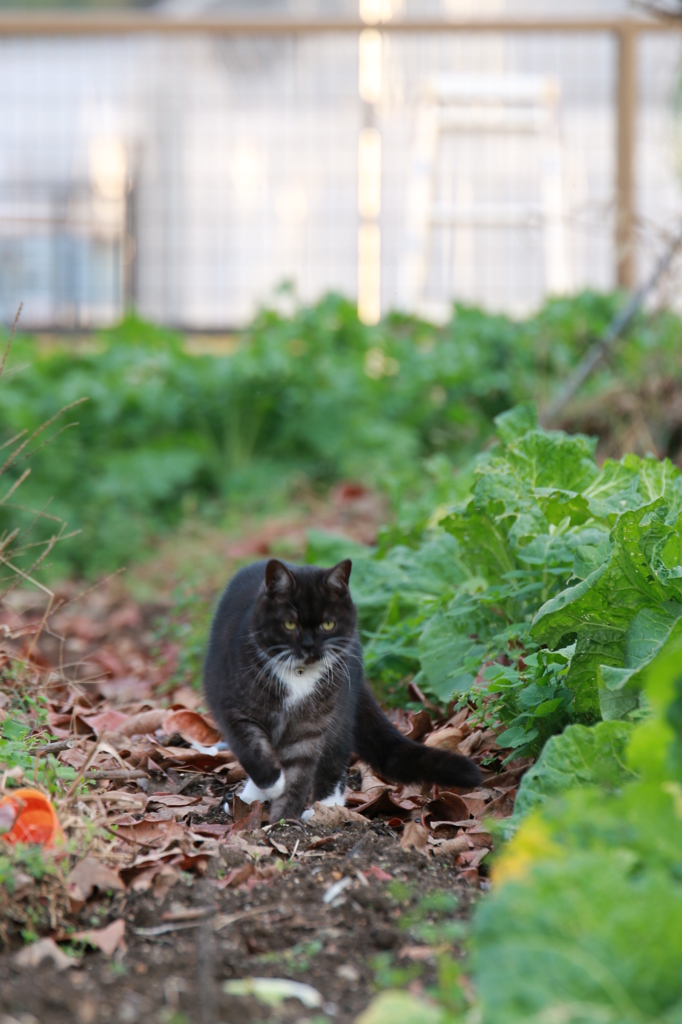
(189, 174)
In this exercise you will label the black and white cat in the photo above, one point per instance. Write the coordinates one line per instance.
(284, 680)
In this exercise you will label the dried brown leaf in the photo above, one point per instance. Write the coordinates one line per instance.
(450, 847)
(447, 738)
(502, 806)
(215, 830)
(419, 723)
(280, 847)
(374, 871)
(459, 719)
(472, 858)
(414, 837)
(193, 727)
(471, 743)
(142, 723)
(250, 815)
(108, 939)
(322, 841)
(379, 803)
(471, 876)
(503, 779)
(167, 756)
(107, 721)
(150, 832)
(90, 874)
(236, 876)
(174, 799)
(45, 949)
(477, 801)
(335, 816)
(446, 807)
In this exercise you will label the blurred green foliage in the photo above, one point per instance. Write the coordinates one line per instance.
(583, 923)
(317, 396)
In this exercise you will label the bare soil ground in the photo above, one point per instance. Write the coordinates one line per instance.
(279, 928)
(165, 895)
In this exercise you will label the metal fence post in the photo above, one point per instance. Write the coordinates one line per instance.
(625, 155)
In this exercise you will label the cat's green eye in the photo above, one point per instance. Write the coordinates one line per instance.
(290, 625)
(328, 625)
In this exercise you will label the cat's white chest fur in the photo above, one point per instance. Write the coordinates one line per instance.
(300, 682)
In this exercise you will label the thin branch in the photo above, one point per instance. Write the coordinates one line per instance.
(117, 774)
(38, 632)
(38, 516)
(40, 543)
(11, 339)
(37, 513)
(12, 440)
(95, 586)
(48, 423)
(605, 344)
(17, 483)
(6, 541)
(81, 772)
(67, 426)
(26, 576)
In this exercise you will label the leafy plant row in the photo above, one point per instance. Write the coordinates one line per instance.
(542, 593)
(316, 396)
(583, 922)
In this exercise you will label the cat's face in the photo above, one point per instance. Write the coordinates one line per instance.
(304, 615)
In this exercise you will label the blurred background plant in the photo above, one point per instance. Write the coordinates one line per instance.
(307, 399)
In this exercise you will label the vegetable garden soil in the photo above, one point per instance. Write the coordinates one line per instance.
(278, 929)
(176, 894)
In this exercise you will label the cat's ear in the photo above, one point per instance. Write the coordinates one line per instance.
(278, 579)
(337, 578)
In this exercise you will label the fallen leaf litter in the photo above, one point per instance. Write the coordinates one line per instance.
(155, 815)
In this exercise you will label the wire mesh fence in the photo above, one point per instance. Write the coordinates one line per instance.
(186, 172)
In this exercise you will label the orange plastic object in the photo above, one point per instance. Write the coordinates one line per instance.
(35, 819)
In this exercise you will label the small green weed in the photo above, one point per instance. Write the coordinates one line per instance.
(25, 859)
(387, 974)
(426, 921)
(181, 636)
(296, 959)
(17, 744)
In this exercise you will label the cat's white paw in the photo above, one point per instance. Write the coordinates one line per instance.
(253, 792)
(250, 793)
(337, 798)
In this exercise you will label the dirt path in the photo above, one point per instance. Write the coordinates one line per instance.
(280, 927)
(181, 895)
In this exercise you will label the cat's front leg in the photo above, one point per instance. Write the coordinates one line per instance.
(251, 745)
(297, 787)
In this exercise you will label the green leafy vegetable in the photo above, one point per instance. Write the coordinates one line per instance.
(580, 756)
(583, 923)
(542, 594)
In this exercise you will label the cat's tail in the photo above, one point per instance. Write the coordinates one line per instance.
(386, 750)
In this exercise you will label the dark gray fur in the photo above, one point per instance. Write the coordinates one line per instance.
(311, 740)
